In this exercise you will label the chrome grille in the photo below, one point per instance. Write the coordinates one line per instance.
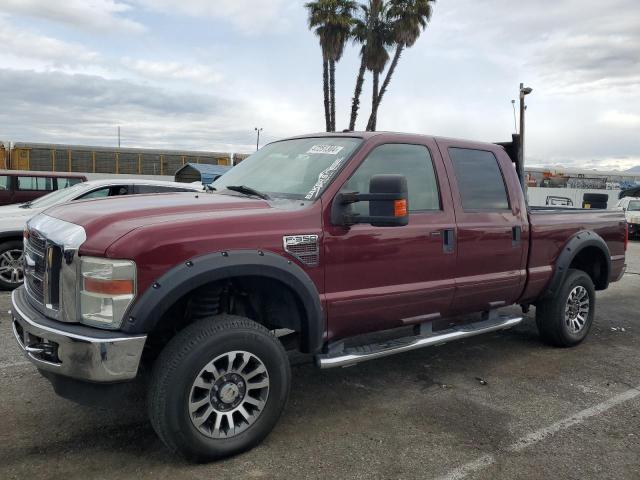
(35, 266)
(42, 268)
(303, 247)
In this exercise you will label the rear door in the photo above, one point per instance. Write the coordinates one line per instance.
(492, 226)
(384, 277)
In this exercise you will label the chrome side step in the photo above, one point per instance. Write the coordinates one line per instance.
(346, 357)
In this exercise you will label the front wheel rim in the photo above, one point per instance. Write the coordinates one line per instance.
(11, 266)
(576, 310)
(229, 394)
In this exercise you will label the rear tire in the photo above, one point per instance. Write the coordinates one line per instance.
(206, 399)
(565, 319)
(11, 267)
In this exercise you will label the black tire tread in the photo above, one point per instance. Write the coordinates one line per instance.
(174, 353)
(548, 310)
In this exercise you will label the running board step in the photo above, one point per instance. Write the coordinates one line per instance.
(353, 355)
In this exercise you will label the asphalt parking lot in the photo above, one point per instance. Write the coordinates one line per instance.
(499, 406)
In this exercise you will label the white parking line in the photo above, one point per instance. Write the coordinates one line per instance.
(533, 438)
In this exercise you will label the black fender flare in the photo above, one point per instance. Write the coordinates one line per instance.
(571, 249)
(11, 235)
(193, 273)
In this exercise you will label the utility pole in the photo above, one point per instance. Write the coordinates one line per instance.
(258, 140)
(524, 91)
(118, 136)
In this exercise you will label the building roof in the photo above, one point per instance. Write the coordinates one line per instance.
(208, 173)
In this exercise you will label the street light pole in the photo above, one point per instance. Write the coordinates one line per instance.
(258, 140)
(524, 91)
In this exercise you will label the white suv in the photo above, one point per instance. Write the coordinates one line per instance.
(14, 217)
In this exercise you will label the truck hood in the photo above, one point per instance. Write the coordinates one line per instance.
(107, 220)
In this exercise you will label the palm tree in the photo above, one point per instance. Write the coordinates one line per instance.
(409, 18)
(376, 56)
(331, 20)
(359, 34)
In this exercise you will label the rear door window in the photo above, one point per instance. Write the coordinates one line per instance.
(41, 184)
(4, 183)
(480, 180)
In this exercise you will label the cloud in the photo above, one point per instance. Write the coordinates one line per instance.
(166, 70)
(616, 118)
(570, 45)
(82, 108)
(246, 16)
(102, 15)
(86, 109)
(23, 44)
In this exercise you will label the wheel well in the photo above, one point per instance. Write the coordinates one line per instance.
(593, 262)
(10, 237)
(264, 300)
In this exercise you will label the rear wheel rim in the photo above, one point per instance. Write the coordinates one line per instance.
(577, 309)
(229, 394)
(11, 266)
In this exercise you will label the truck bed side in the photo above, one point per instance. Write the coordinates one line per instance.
(551, 229)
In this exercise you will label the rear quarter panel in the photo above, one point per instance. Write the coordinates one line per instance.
(552, 229)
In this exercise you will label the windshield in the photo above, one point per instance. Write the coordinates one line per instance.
(59, 196)
(634, 206)
(297, 169)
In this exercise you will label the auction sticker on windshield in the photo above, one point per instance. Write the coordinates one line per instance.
(325, 176)
(325, 149)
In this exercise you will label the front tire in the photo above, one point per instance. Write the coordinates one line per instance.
(11, 268)
(218, 388)
(565, 319)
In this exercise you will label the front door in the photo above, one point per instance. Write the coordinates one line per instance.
(384, 277)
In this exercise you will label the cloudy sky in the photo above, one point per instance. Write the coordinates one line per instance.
(202, 74)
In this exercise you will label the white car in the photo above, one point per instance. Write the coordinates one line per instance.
(631, 207)
(14, 217)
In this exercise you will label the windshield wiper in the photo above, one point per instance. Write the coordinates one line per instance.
(26, 205)
(248, 191)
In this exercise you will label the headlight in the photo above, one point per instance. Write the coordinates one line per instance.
(107, 289)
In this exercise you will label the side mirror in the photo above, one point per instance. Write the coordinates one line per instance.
(388, 199)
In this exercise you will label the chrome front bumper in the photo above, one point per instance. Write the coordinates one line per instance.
(74, 351)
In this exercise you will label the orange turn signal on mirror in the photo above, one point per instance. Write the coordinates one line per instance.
(108, 287)
(400, 208)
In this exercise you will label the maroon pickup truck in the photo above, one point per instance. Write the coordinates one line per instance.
(308, 244)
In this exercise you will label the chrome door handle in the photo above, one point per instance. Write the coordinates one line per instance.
(448, 240)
